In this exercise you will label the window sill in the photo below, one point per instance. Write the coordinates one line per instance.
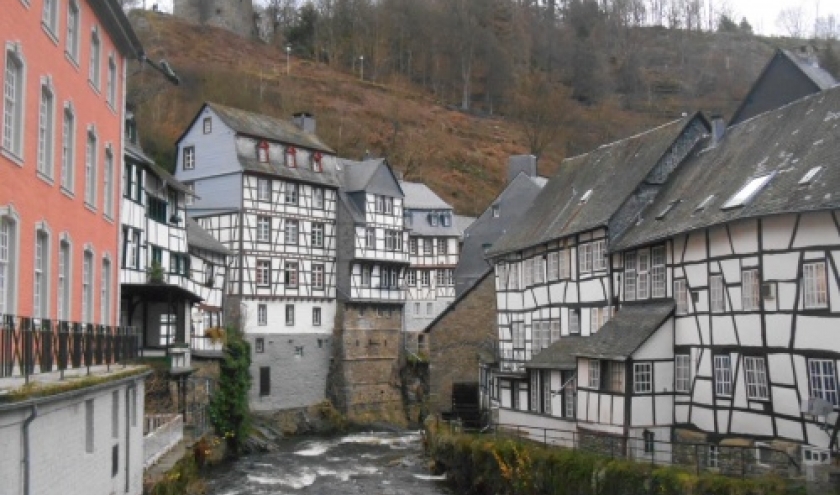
(73, 60)
(67, 192)
(50, 32)
(18, 160)
(95, 87)
(46, 178)
(108, 218)
(90, 207)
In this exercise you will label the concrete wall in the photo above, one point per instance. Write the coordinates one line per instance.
(455, 340)
(59, 460)
(296, 380)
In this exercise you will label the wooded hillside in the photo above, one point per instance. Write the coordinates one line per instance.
(437, 117)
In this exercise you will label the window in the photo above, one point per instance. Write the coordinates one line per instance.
(318, 277)
(569, 392)
(63, 285)
(703, 204)
(264, 229)
(649, 441)
(527, 272)
(317, 235)
(108, 183)
(814, 290)
(299, 351)
(747, 192)
(89, 425)
(13, 103)
(750, 290)
(642, 378)
(189, 196)
(555, 330)
(263, 275)
(259, 344)
(412, 245)
(111, 90)
(46, 129)
(189, 157)
(448, 277)
(428, 246)
(598, 317)
(425, 278)
(73, 31)
(87, 287)
(105, 289)
(518, 331)
(262, 318)
(370, 238)
(616, 375)
(535, 390)
(585, 258)
(630, 276)
(433, 219)
(42, 273)
(495, 211)
(291, 195)
(539, 270)
(681, 296)
(262, 152)
(594, 374)
(8, 257)
(643, 274)
(291, 157)
(756, 376)
(682, 373)
(411, 277)
(68, 149)
(553, 262)
(716, 301)
(393, 240)
(574, 321)
(95, 59)
(290, 275)
(384, 204)
(823, 379)
(290, 315)
(90, 170)
(723, 375)
(317, 162)
(265, 381)
(207, 125)
(713, 457)
(365, 276)
(263, 189)
(316, 317)
(657, 271)
(291, 232)
(318, 198)
(443, 245)
(599, 255)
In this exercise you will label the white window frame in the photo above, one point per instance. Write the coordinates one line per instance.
(65, 255)
(425, 278)
(91, 153)
(538, 265)
(262, 315)
(290, 193)
(263, 189)
(822, 378)
(370, 237)
(658, 274)
(527, 272)
(755, 372)
(681, 296)
(46, 129)
(105, 291)
(630, 276)
(750, 290)
(411, 277)
(553, 266)
(428, 246)
(717, 289)
(814, 285)
(318, 276)
(264, 228)
(207, 125)
(595, 374)
(518, 335)
(49, 17)
(291, 232)
(723, 375)
(290, 320)
(74, 24)
(643, 274)
(574, 321)
(14, 101)
(87, 286)
(291, 274)
(262, 276)
(682, 373)
(41, 280)
(9, 260)
(95, 70)
(108, 182)
(554, 331)
(643, 378)
(317, 235)
(365, 276)
(68, 148)
(318, 198)
(111, 83)
(316, 316)
(585, 258)
(598, 253)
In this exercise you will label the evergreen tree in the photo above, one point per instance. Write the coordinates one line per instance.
(229, 411)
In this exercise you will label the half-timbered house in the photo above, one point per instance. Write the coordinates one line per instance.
(208, 268)
(372, 260)
(266, 188)
(433, 254)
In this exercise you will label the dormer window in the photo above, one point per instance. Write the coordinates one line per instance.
(317, 166)
(291, 157)
(586, 196)
(446, 220)
(433, 219)
(262, 152)
(495, 210)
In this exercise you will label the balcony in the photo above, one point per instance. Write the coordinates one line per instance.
(31, 346)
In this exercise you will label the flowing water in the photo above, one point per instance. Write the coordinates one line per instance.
(361, 463)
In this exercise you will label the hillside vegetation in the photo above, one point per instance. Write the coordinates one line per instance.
(461, 154)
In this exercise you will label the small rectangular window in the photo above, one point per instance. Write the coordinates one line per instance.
(650, 446)
(717, 303)
(642, 378)
(574, 321)
(264, 189)
(823, 379)
(316, 317)
(262, 314)
(189, 157)
(263, 273)
(756, 378)
(747, 192)
(265, 381)
(259, 345)
(207, 124)
(723, 375)
(681, 296)
(290, 277)
(815, 289)
(318, 277)
(290, 315)
(682, 373)
(594, 374)
(750, 290)
(291, 196)
(291, 231)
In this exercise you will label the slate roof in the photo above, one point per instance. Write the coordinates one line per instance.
(418, 196)
(559, 355)
(620, 337)
(136, 153)
(815, 73)
(462, 223)
(612, 172)
(200, 238)
(277, 167)
(787, 142)
(271, 128)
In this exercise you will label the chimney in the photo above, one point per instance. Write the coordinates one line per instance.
(305, 122)
(526, 164)
(718, 129)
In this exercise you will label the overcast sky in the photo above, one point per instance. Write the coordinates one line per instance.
(761, 14)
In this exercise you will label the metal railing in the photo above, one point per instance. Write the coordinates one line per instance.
(206, 344)
(161, 432)
(30, 346)
(731, 460)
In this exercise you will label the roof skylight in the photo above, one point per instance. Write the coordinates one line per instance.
(586, 196)
(808, 177)
(706, 202)
(746, 193)
(670, 206)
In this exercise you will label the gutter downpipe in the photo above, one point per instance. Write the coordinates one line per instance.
(26, 449)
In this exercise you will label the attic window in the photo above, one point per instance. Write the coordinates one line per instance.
(668, 209)
(747, 192)
(208, 125)
(586, 196)
(706, 202)
(807, 178)
(262, 152)
(495, 211)
(291, 157)
(316, 162)
(446, 220)
(433, 219)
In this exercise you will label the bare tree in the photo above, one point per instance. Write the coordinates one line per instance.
(792, 21)
(541, 109)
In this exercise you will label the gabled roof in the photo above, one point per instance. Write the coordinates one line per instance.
(372, 176)
(263, 126)
(463, 222)
(620, 337)
(418, 196)
(787, 143)
(820, 77)
(200, 238)
(276, 166)
(589, 189)
(559, 355)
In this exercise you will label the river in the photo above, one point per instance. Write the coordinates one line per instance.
(376, 463)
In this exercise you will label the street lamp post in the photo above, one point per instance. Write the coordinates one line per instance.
(288, 55)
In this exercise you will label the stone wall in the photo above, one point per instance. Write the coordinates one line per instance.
(233, 15)
(456, 339)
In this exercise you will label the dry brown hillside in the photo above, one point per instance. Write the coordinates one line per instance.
(461, 156)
